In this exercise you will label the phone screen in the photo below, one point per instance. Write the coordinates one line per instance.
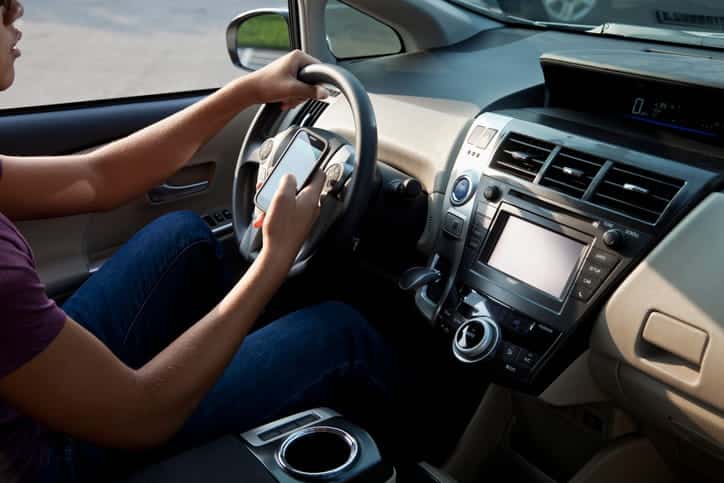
(299, 160)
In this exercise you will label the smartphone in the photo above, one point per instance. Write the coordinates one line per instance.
(300, 159)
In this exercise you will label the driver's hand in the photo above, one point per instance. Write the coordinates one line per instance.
(278, 81)
(290, 217)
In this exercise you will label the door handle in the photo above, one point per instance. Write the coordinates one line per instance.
(168, 192)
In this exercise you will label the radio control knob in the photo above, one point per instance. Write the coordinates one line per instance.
(614, 239)
(492, 193)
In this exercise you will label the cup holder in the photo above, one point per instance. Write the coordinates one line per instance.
(319, 452)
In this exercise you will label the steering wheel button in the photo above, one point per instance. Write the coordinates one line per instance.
(266, 149)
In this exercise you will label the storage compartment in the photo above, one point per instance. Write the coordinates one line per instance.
(318, 452)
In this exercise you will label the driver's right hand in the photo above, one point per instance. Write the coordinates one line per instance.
(290, 217)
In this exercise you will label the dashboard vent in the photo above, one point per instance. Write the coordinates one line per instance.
(522, 156)
(637, 193)
(572, 172)
(310, 112)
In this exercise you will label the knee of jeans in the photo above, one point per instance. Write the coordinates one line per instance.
(348, 325)
(186, 225)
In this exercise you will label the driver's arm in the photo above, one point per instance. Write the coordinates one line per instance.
(43, 187)
(78, 387)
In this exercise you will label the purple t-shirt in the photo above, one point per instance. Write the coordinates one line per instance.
(29, 322)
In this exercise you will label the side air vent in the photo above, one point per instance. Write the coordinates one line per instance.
(637, 193)
(572, 172)
(310, 112)
(522, 156)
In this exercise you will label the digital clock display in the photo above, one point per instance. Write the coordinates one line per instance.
(677, 115)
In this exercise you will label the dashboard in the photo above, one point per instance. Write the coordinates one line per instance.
(556, 178)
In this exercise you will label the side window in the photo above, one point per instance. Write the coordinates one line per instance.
(86, 50)
(351, 33)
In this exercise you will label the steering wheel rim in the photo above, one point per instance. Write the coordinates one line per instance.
(359, 189)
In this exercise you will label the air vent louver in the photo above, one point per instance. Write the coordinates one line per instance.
(637, 193)
(522, 156)
(309, 113)
(572, 172)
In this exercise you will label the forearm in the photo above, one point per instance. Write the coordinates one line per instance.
(176, 380)
(42, 187)
(133, 165)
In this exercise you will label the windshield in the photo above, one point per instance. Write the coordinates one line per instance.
(692, 15)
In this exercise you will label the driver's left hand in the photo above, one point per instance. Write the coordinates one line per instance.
(278, 81)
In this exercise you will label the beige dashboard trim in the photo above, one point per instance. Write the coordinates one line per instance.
(575, 386)
(682, 279)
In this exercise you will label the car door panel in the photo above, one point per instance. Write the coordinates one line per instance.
(68, 249)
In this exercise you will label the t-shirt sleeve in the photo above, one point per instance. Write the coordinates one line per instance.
(29, 320)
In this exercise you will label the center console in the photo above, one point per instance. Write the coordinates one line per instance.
(315, 445)
(539, 227)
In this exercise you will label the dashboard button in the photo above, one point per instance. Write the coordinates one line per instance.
(510, 352)
(453, 225)
(583, 293)
(484, 140)
(461, 190)
(492, 193)
(614, 239)
(475, 136)
(604, 259)
(589, 282)
(527, 358)
(596, 271)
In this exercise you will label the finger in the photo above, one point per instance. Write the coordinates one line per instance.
(259, 185)
(322, 92)
(304, 59)
(287, 191)
(259, 222)
(312, 192)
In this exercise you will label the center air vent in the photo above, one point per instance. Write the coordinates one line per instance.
(522, 156)
(309, 113)
(572, 172)
(637, 193)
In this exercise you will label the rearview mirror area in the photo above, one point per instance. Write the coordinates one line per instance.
(257, 38)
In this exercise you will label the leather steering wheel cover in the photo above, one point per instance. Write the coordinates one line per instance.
(365, 144)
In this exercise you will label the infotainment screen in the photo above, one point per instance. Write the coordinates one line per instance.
(536, 256)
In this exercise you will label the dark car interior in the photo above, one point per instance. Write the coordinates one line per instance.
(529, 212)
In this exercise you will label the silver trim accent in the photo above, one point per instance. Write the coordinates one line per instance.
(485, 348)
(223, 230)
(165, 192)
(252, 436)
(635, 188)
(353, 446)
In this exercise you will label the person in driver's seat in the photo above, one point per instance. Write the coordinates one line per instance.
(147, 352)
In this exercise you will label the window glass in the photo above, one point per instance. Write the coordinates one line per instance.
(82, 50)
(351, 33)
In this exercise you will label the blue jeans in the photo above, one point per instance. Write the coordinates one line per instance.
(164, 280)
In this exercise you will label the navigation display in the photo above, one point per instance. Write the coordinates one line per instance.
(536, 256)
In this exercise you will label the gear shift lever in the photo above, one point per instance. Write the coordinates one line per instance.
(418, 277)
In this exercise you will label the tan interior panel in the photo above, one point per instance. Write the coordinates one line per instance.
(403, 122)
(574, 386)
(664, 328)
(633, 460)
(675, 337)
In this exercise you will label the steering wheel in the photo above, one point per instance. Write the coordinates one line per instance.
(350, 169)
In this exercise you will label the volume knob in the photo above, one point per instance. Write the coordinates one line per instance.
(614, 239)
